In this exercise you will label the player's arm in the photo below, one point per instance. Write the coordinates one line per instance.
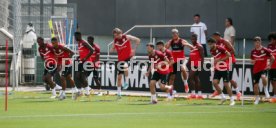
(149, 69)
(135, 39)
(201, 52)
(113, 47)
(185, 43)
(168, 44)
(272, 59)
(71, 52)
(90, 49)
(229, 46)
(171, 61)
(252, 59)
(224, 58)
(98, 51)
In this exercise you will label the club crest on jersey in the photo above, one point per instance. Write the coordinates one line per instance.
(262, 51)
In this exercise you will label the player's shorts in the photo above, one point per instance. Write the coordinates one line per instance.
(194, 69)
(67, 71)
(120, 65)
(231, 71)
(272, 74)
(257, 76)
(50, 70)
(221, 74)
(81, 69)
(177, 66)
(157, 76)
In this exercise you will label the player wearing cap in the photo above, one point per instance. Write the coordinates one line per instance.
(50, 64)
(228, 46)
(177, 45)
(272, 70)
(259, 58)
(195, 64)
(160, 64)
(221, 68)
(122, 44)
(160, 45)
(64, 56)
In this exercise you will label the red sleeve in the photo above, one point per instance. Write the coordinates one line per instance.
(268, 52)
(97, 49)
(169, 53)
(160, 55)
(221, 49)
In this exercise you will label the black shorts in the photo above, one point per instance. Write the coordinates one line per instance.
(272, 74)
(177, 66)
(231, 71)
(257, 76)
(120, 65)
(157, 76)
(50, 70)
(221, 74)
(67, 71)
(81, 69)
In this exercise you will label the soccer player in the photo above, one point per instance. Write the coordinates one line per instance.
(85, 52)
(168, 54)
(272, 71)
(50, 64)
(177, 44)
(259, 57)
(160, 64)
(95, 58)
(195, 64)
(221, 65)
(122, 44)
(228, 46)
(64, 56)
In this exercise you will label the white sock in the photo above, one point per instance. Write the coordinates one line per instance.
(257, 98)
(266, 89)
(126, 80)
(222, 96)
(153, 97)
(57, 87)
(185, 82)
(237, 90)
(119, 90)
(232, 98)
(199, 93)
(193, 92)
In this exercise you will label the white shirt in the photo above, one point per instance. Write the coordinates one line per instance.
(199, 31)
(229, 32)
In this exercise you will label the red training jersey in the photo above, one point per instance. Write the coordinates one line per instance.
(157, 58)
(83, 50)
(219, 53)
(177, 49)
(96, 53)
(260, 56)
(272, 48)
(48, 54)
(221, 43)
(62, 54)
(168, 54)
(195, 57)
(123, 47)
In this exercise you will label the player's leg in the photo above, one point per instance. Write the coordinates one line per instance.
(62, 95)
(119, 84)
(184, 77)
(198, 86)
(96, 78)
(256, 79)
(272, 77)
(125, 85)
(155, 77)
(163, 85)
(264, 81)
(234, 83)
(225, 75)
(216, 79)
(192, 84)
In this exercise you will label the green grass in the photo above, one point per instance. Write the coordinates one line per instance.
(36, 110)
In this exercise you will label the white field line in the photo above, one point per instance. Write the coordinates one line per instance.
(122, 114)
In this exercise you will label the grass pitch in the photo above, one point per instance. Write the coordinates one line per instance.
(36, 110)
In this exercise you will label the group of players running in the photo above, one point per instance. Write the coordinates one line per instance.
(164, 64)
